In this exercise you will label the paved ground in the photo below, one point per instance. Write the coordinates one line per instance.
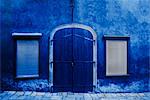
(13, 95)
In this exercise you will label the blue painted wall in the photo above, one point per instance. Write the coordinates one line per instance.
(112, 17)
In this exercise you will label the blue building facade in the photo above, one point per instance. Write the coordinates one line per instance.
(107, 18)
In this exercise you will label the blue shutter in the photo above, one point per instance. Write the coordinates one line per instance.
(27, 58)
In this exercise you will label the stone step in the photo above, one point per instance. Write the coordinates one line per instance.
(29, 95)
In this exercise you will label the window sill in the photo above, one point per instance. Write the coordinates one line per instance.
(27, 76)
(26, 35)
(117, 75)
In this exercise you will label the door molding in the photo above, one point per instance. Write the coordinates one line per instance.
(73, 25)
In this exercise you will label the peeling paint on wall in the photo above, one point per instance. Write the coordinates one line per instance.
(26, 85)
(111, 17)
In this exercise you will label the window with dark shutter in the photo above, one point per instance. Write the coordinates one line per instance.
(27, 54)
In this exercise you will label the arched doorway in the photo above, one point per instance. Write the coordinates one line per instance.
(73, 58)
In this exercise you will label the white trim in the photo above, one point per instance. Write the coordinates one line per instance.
(27, 76)
(26, 34)
(73, 25)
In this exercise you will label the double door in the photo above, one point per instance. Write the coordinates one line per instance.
(73, 60)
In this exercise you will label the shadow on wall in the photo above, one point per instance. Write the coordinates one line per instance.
(134, 86)
(26, 85)
(42, 85)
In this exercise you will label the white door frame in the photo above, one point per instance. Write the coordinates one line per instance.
(73, 25)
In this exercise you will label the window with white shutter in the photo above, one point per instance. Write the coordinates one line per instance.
(116, 56)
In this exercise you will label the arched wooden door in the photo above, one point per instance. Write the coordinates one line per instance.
(73, 60)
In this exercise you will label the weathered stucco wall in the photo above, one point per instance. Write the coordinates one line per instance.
(120, 17)
(29, 16)
(113, 17)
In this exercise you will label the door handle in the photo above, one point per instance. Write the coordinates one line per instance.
(72, 64)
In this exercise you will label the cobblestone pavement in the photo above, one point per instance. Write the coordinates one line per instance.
(28, 95)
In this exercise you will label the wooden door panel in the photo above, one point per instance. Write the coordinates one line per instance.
(62, 60)
(73, 60)
(83, 61)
